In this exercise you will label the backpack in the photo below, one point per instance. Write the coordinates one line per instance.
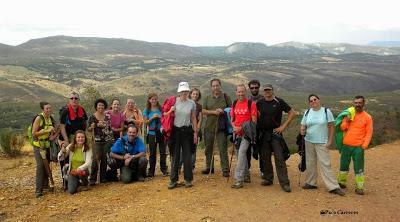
(167, 122)
(60, 112)
(223, 121)
(31, 138)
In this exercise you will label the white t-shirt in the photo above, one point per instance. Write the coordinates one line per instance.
(183, 112)
(317, 125)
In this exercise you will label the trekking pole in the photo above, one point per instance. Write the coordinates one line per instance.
(230, 163)
(48, 171)
(215, 138)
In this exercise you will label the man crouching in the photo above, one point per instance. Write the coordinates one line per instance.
(130, 155)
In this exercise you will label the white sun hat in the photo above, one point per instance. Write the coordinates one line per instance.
(183, 86)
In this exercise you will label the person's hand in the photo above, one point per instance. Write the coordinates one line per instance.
(127, 161)
(101, 124)
(127, 156)
(236, 128)
(64, 144)
(302, 131)
(279, 130)
(364, 147)
(219, 111)
(50, 129)
(328, 144)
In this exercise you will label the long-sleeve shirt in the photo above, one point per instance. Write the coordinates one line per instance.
(358, 131)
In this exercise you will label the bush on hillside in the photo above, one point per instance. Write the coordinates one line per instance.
(11, 142)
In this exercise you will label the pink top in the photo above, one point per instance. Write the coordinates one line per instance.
(116, 120)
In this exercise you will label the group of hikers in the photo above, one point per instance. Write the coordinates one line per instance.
(252, 123)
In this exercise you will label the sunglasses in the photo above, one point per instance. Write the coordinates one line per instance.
(74, 98)
(267, 89)
(254, 87)
(313, 100)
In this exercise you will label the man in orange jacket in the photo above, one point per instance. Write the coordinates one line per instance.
(358, 134)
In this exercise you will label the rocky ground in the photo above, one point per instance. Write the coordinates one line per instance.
(210, 199)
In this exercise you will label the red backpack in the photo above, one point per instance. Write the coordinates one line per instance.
(167, 122)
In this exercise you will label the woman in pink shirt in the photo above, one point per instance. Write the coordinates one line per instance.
(117, 118)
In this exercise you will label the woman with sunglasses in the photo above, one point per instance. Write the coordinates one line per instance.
(317, 129)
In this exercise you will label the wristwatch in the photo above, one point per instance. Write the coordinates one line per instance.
(133, 156)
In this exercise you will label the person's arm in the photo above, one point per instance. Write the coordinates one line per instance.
(331, 131)
(35, 128)
(303, 126)
(344, 125)
(200, 121)
(368, 134)
(88, 160)
(253, 112)
(281, 128)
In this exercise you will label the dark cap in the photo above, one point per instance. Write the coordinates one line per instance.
(268, 86)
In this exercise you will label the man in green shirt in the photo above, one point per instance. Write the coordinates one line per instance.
(213, 108)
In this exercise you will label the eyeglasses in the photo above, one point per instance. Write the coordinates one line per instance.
(254, 87)
(313, 100)
(74, 98)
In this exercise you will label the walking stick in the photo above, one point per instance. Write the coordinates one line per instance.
(230, 163)
(48, 171)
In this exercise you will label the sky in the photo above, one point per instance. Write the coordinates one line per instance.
(203, 22)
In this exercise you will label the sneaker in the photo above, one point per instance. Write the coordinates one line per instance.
(237, 185)
(286, 188)
(225, 173)
(342, 186)
(266, 183)
(164, 174)
(92, 183)
(207, 171)
(247, 179)
(172, 185)
(359, 191)
(150, 174)
(141, 179)
(309, 187)
(337, 191)
(188, 184)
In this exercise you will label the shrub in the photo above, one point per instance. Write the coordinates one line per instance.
(11, 142)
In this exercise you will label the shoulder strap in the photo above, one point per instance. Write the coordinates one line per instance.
(125, 144)
(326, 114)
(307, 112)
(233, 110)
(249, 105)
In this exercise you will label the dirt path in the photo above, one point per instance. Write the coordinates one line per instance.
(211, 198)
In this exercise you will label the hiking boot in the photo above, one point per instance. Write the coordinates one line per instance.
(337, 191)
(225, 173)
(342, 186)
(141, 179)
(150, 174)
(164, 174)
(207, 171)
(237, 185)
(188, 184)
(38, 195)
(172, 185)
(359, 191)
(92, 183)
(48, 189)
(266, 183)
(247, 179)
(309, 187)
(286, 188)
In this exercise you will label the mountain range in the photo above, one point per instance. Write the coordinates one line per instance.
(55, 65)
